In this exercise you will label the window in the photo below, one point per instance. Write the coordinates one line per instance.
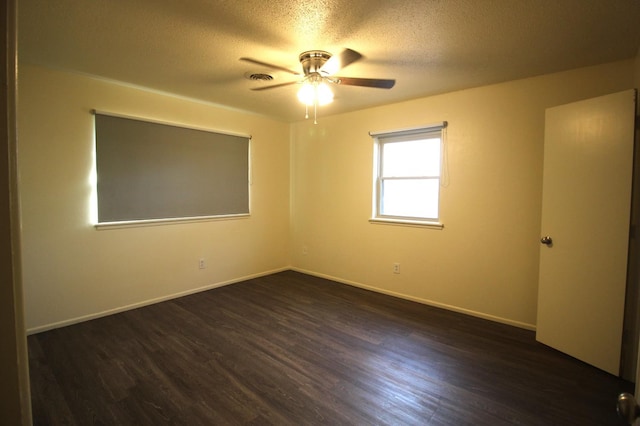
(408, 175)
(150, 171)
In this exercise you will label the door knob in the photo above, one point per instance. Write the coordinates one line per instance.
(628, 408)
(546, 240)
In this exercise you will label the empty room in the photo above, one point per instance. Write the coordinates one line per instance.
(321, 212)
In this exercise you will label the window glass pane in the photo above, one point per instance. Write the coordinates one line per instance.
(410, 198)
(411, 158)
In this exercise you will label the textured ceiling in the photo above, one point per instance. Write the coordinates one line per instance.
(192, 48)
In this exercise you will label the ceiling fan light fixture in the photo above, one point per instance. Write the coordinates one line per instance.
(315, 93)
(324, 95)
(306, 93)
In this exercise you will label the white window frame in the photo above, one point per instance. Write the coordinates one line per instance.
(391, 136)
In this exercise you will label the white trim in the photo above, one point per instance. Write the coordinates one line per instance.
(434, 126)
(380, 141)
(168, 221)
(148, 302)
(168, 123)
(452, 308)
(108, 312)
(406, 222)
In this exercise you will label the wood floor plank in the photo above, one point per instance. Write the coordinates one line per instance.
(291, 349)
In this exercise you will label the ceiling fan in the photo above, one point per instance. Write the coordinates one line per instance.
(318, 69)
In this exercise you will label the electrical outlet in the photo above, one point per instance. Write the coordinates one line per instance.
(305, 250)
(201, 264)
(396, 268)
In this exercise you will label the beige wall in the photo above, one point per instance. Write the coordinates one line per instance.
(485, 260)
(73, 271)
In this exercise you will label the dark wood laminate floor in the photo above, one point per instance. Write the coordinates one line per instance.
(289, 349)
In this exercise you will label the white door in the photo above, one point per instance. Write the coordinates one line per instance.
(588, 158)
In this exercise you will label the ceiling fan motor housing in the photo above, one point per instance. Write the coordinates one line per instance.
(313, 60)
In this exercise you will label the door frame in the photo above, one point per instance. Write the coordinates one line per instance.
(630, 361)
(15, 398)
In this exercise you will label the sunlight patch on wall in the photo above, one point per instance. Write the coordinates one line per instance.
(93, 186)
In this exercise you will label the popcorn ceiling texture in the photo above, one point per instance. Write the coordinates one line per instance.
(192, 48)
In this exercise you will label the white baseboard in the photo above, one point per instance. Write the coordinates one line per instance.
(423, 301)
(117, 310)
(89, 317)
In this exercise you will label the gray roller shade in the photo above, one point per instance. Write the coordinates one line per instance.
(151, 171)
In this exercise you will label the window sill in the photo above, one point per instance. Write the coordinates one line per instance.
(159, 222)
(407, 222)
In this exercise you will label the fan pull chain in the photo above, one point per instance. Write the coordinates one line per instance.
(315, 112)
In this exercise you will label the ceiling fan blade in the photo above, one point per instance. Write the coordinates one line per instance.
(264, 64)
(365, 82)
(273, 86)
(339, 61)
